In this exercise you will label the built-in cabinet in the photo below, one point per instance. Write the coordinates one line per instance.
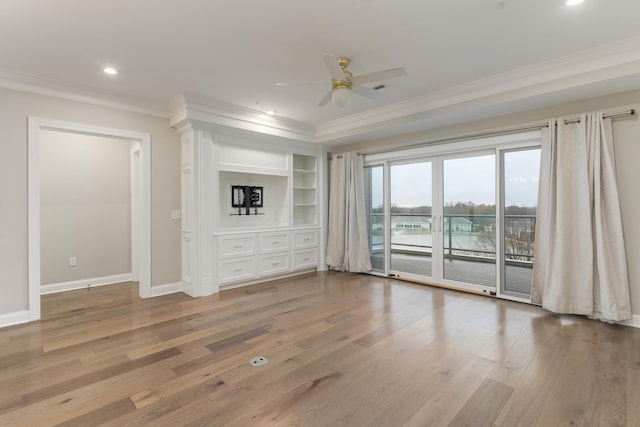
(277, 245)
(245, 258)
(223, 247)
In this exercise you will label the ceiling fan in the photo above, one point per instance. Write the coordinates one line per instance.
(343, 82)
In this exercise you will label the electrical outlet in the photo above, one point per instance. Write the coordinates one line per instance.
(175, 214)
(73, 261)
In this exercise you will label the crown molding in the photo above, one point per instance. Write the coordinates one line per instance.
(455, 104)
(23, 82)
(190, 107)
(587, 67)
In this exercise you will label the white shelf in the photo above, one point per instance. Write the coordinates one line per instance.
(304, 163)
(304, 190)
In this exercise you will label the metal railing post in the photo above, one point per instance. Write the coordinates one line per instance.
(450, 239)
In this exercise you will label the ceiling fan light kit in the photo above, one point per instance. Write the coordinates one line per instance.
(341, 87)
(341, 96)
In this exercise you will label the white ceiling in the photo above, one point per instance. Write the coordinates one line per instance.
(464, 58)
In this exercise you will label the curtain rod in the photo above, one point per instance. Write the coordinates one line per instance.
(620, 114)
(606, 116)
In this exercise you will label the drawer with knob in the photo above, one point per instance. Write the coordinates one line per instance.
(236, 269)
(305, 239)
(305, 259)
(236, 245)
(274, 242)
(274, 264)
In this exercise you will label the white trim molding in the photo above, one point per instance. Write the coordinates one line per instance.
(15, 318)
(166, 289)
(85, 283)
(634, 322)
(587, 73)
(23, 82)
(189, 107)
(471, 100)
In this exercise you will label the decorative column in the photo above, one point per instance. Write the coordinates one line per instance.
(197, 180)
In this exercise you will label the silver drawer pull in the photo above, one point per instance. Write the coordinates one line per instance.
(237, 270)
(275, 242)
(237, 246)
(307, 258)
(275, 263)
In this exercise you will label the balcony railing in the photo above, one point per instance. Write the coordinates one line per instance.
(470, 237)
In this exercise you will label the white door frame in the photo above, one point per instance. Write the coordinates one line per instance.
(141, 221)
(137, 219)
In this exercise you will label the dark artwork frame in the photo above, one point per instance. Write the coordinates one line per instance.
(247, 197)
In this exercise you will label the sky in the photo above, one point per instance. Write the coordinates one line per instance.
(467, 179)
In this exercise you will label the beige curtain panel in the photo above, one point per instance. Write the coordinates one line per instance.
(347, 240)
(580, 262)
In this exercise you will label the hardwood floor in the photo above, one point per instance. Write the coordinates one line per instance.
(342, 349)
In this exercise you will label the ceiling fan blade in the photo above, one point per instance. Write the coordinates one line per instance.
(326, 99)
(378, 76)
(334, 68)
(300, 84)
(368, 93)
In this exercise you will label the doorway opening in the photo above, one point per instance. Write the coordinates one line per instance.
(140, 203)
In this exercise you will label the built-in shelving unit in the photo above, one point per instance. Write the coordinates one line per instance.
(283, 238)
(228, 243)
(304, 190)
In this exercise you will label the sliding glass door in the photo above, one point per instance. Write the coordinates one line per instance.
(411, 220)
(469, 226)
(520, 171)
(374, 203)
(464, 220)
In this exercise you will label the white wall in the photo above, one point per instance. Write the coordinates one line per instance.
(85, 202)
(15, 107)
(626, 134)
(626, 140)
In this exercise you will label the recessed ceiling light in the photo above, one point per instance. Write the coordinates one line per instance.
(573, 2)
(271, 112)
(111, 71)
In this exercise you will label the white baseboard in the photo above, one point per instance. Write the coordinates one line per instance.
(634, 322)
(85, 283)
(14, 318)
(226, 287)
(168, 288)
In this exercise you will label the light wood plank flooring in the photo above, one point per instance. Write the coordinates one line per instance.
(342, 349)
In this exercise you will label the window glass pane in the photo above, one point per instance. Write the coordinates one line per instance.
(469, 232)
(411, 220)
(521, 171)
(374, 201)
